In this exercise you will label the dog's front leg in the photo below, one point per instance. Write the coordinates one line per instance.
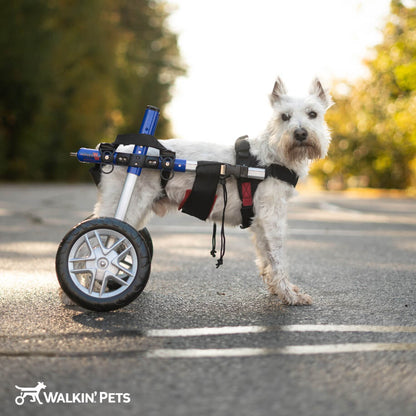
(269, 228)
(262, 251)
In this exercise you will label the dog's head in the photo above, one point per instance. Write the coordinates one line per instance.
(297, 130)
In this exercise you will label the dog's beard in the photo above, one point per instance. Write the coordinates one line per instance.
(298, 151)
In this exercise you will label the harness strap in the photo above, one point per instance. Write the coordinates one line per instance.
(283, 173)
(141, 139)
(138, 139)
(247, 187)
(201, 199)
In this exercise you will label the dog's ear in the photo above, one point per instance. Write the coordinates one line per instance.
(279, 90)
(322, 93)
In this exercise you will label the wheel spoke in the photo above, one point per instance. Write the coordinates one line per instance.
(98, 237)
(85, 270)
(80, 259)
(120, 258)
(87, 240)
(123, 269)
(110, 241)
(116, 244)
(124, 253)
(103, 285)
(91, 252)
(92, 283)
(119, 281)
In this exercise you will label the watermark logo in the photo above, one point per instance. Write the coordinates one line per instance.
(36, 395)
(31, 392)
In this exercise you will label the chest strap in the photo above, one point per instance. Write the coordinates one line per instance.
(247, 187)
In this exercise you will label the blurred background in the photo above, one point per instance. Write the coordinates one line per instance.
(75, 73)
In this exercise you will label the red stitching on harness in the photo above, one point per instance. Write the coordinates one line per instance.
(215, 200)
(187, 193)
(247, 198)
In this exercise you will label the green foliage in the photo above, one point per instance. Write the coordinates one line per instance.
(75, 72)
(373, 121)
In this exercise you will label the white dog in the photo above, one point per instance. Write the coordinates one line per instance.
(295, 135)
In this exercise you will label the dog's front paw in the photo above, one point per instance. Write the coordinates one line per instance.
(297, 299)
(290, 294)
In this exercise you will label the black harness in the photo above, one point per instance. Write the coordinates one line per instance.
(199, 200)
(247, 187)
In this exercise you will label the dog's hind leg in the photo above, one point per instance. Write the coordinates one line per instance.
(147, 189)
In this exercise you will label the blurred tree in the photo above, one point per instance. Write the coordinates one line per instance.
(373, 121)
(74, 72)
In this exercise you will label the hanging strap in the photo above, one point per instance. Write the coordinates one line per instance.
(222, 249)
(201, 199)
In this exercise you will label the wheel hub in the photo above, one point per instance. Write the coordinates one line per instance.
(102, 263)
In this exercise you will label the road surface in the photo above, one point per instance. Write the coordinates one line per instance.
(202, 341)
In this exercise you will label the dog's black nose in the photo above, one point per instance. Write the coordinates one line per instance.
(300, 134)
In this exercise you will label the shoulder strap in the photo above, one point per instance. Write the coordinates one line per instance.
(246, 187)
(243, 156)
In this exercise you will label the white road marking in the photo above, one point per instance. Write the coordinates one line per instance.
(348, 328)
(235, 330)
(289, 350)
(197, 332)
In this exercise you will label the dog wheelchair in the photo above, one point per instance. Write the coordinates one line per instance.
(103, 264)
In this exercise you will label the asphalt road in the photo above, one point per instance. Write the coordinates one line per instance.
(202, 341)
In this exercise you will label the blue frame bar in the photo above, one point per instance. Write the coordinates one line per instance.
(148, 126)
(85, 155)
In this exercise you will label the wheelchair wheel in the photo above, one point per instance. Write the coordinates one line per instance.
(103, 264)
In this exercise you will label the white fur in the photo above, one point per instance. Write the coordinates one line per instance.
(276, 145)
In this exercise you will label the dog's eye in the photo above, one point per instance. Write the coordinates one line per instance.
(285, 117)
(312, 114)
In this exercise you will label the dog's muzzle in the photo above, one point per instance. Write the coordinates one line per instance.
(300, 134)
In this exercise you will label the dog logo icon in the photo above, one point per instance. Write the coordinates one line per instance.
(32, 392)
